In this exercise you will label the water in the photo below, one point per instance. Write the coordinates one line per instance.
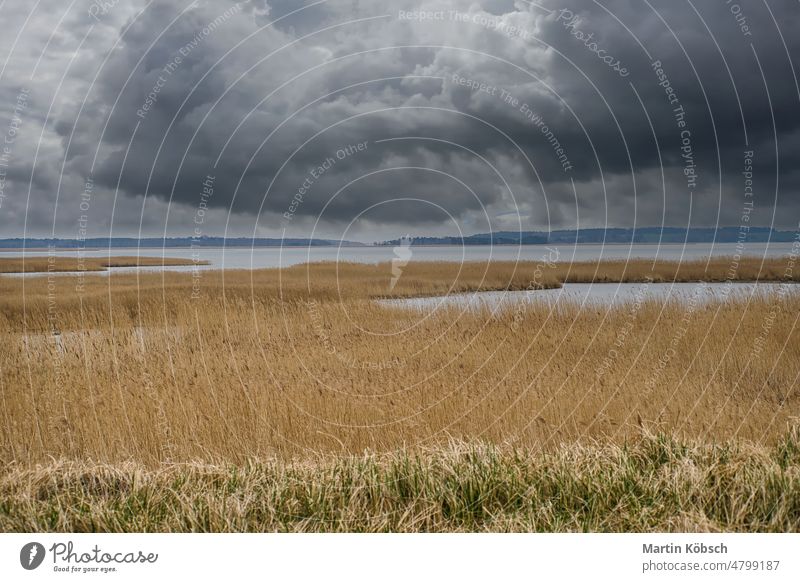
(270, 257)
(599, 295)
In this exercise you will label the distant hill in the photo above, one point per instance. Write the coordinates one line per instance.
(652, 234)
(173, 242)
(584, 235)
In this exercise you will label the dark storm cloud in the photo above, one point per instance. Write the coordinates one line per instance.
(476, 109)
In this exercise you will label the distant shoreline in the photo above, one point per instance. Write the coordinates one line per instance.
(384, 246)
(62, 249)
(645, 235)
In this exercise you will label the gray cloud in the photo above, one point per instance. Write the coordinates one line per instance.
(479, 109)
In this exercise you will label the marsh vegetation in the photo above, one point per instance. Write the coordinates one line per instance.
(290, 399)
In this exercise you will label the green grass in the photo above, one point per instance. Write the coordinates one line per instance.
(654, 484)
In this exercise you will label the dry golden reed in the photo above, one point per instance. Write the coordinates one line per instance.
(294, 363)
(56, 263)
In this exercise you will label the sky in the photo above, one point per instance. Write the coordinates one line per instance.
(371, 120)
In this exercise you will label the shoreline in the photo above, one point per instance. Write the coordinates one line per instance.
(82, 265)
(369, 246)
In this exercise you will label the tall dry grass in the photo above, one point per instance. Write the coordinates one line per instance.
(293, 363)
(56, 263)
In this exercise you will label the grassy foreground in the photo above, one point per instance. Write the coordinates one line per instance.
(653, 484)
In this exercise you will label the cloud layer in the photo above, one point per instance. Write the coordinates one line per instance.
(371, 119)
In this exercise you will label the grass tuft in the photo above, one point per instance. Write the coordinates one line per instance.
(653, 484)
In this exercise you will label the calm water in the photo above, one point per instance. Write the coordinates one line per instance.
(260, 258)
(600, 294)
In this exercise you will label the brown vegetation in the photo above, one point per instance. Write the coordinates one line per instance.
(299, 362)
(56, 263)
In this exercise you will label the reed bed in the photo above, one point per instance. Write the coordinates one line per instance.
(290, 400)
(290, 363)
(55, 263)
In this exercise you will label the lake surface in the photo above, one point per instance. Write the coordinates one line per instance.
(269, 257)
(600, 295)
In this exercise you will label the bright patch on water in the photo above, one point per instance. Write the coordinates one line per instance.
(600, 294)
